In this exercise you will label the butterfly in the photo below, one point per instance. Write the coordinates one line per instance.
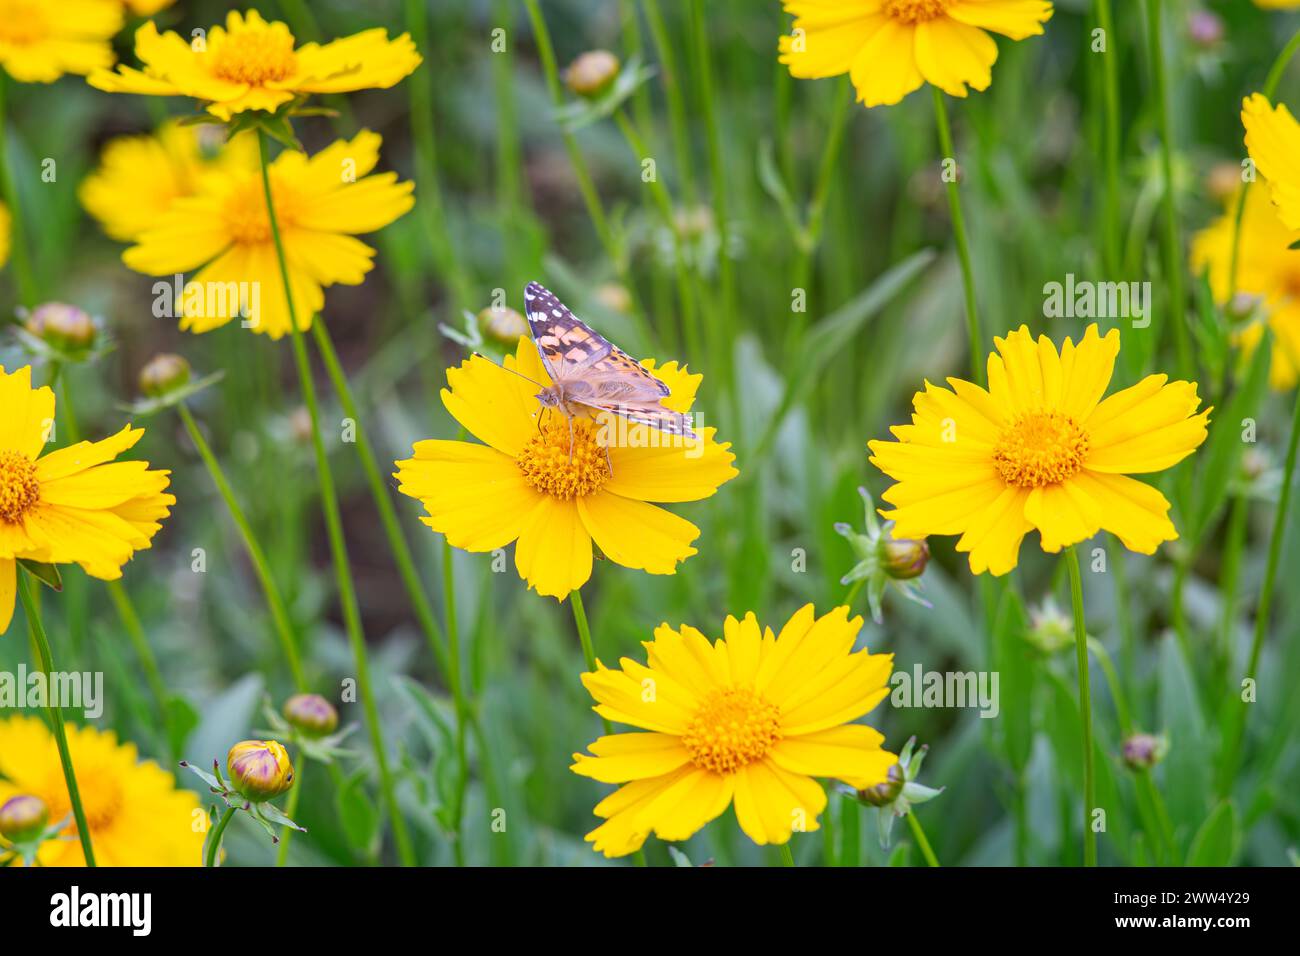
(588, 371)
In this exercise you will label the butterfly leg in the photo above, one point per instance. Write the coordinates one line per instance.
(608, 463)
(570, 439)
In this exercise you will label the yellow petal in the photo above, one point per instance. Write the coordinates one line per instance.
(1273, 140)
(885, 69)
(951, 55)
(636, 534)
(850, 753)
(772, 802)
(28, 418)
(8, 589)
(627, 701)
(1016, 19)
(1133, 511)
(634, 756)
(667, 473)
(993, 535)
(553, 553)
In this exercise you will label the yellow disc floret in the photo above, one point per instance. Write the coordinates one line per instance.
(732, 728)
(1040, 448)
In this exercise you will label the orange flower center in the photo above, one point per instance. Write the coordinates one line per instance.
(245, 212)
(1040, 448)
(101, 797)
(915, 11)
(255, 58)
(732, 728)
(562, 463)
(22, 22)
(19, 488)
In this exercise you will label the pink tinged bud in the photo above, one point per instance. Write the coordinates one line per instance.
(312, 714)
(904, 558)
(62, 326)
(259, 769)
(1144, 751)
(164, 373)
(1204, 28)
(23, 817)
(502, 325)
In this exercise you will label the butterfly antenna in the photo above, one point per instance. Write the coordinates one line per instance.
(512, 371)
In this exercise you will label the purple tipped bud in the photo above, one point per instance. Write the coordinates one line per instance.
(883, 794)
(1144, 751)
(259, 769)
(312, 714)
(904, 558)
(23, 817)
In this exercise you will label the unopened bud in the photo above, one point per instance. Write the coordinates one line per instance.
(1144, 751)
(1223, 181)
(164, 373)
(312, 714)
(1243, 306)
(592, 73)
(502, 325)
(904, 558)
(259, 769)
(1205, 28)
(23, 817)
(883, 794)
(62, 326)
(1050, 629)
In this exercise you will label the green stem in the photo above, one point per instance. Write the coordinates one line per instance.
(921, 841)
(458, 694)
(963, 245)
(1237, 722)
(26, 278)
(584, 635)
(1112, 227)
(291, 811)
(42, 644)
(397, 542)
(1085, 706)
(1270, 88)
(673, 95)
(1169, 203)
(787, 857)
(275, 601)
(214, 841)
(334, 528)
(850, 832)
(135, 632)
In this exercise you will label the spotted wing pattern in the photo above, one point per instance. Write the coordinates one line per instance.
(594, 372)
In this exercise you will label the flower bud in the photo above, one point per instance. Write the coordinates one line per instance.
(23, 817)
(1223, 181)
(163, 373)
(62, 326)
(1243, 306)
(312, 714)
(259, 769)
(1144, 751)
(904, 558)
(502, 325)
(1050, 630)
(883, 794)
(1205, 29)
(592, 73)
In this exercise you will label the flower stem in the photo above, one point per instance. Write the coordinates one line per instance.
(919, 835)
(1237, 721)
(397, 542)
(963, 245)
(334, 528)
(26, 278)
(1270, 88)
(1169, 202)
(291, 811)
(274, 600)
(584, 635)
(455, 677)
(214, 841)
(1085, 705)
(787, 858)
(1112, 231)
(42, 644)
(850, 832)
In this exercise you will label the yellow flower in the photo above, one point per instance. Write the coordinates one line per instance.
(524, 484)
(1040, 449)
(139, 177)
(749, 719)
(6, 224)
(1267, 267)
(321, 203)
(255, 65)
(890, 47)
(74, 505)
(40, 40)
(146, 8)
(136, 813)
(1273, 140)
(1278, 4)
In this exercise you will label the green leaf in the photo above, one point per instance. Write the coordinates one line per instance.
(1187, 768)
(179, 719)
(357, 813)
(1013, 660)
(769, 177)
(1215, 843)
(901, 856)
(47, 574)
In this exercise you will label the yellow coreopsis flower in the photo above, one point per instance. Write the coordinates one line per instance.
(1273, 140)
(1267, 267)
(136, 813)
(6, 224)
(750, 719)
(255, 65)
(146, 8)
(139, 177)
(532, 483)
(890, 47)
(41, 40)
(321, 203)
(1039, 449)
(75, 505)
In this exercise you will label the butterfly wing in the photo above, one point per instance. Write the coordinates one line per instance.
(652, 414)
(567, 345)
